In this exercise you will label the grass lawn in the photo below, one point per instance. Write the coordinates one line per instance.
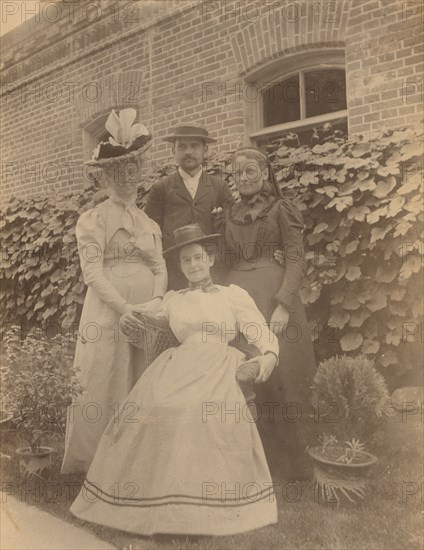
(391, 516)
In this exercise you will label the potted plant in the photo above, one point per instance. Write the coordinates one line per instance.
(38, 382)
(351, 397)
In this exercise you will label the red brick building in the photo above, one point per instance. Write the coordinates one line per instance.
(247, 70)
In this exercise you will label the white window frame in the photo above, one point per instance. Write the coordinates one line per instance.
(280, 70)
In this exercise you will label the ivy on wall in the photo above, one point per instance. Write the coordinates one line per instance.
(362, 204)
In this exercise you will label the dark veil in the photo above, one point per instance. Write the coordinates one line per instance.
(256, 154)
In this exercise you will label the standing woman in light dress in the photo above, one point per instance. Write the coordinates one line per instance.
(120, 250)
(190, 461)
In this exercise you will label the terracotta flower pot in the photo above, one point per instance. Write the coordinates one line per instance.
(337, 481)
(34, 463)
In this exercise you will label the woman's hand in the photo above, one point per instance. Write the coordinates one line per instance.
(267, 363)
(150, 307)
(129, 322)
(279, 319)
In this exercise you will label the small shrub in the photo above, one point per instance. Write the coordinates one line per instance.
(352, 395)
(38, 382)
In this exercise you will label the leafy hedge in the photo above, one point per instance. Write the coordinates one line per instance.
(41, 282)
(363, 210)
(362, 204)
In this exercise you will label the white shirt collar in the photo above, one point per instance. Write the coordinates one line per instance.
(191, 182)
(187, 177)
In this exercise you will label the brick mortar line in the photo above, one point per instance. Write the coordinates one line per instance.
(97, 47)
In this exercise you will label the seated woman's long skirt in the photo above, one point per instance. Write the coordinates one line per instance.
(183, 455)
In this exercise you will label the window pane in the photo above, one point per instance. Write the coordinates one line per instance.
(281, 102)
(325, 91)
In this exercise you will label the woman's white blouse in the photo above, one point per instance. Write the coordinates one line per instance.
(217, 317)
(114, 233)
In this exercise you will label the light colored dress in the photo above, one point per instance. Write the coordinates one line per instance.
(120, 252)
(184, 456)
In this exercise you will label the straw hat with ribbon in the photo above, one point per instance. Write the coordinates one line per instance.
(189, 132)
(191, 234)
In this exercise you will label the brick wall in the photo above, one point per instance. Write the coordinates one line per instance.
(182, 62)
(384, 64)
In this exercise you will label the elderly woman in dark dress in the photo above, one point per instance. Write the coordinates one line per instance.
(262, 223)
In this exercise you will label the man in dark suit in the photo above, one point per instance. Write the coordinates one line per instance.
(188, 195)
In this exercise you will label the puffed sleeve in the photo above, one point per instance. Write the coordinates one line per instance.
(291, 229)
(163, 311)
(90, 232)
(251, 321)
(158, 264)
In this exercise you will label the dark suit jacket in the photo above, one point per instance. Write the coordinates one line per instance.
(170, 205)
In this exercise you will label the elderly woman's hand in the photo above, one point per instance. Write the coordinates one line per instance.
(279, 319)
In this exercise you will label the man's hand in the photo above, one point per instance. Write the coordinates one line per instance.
(279, 257)
(279, 319)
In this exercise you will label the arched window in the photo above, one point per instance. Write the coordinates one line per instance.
(299, 94)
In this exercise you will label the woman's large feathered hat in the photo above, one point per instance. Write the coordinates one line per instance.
(125, 148)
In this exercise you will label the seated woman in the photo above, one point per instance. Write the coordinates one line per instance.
(184, 455)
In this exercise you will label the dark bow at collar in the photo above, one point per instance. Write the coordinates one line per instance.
(206, 285)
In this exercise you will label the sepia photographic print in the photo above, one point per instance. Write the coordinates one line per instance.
(211, 275)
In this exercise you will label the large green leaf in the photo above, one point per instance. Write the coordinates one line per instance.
(353, 273)
(412, 264)
(377, 302)
(339, 318)
(357, 318)
(341, 203)
(386, 273)
(358, 213)
(370, 346)
(351, 341)
(378, 233)
(360, 149)
(351, 302)
(411, 150)
(388, 358)
(395, 207)
(351, 247)
(384, 187)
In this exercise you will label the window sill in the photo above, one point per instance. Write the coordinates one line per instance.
(296, 124)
